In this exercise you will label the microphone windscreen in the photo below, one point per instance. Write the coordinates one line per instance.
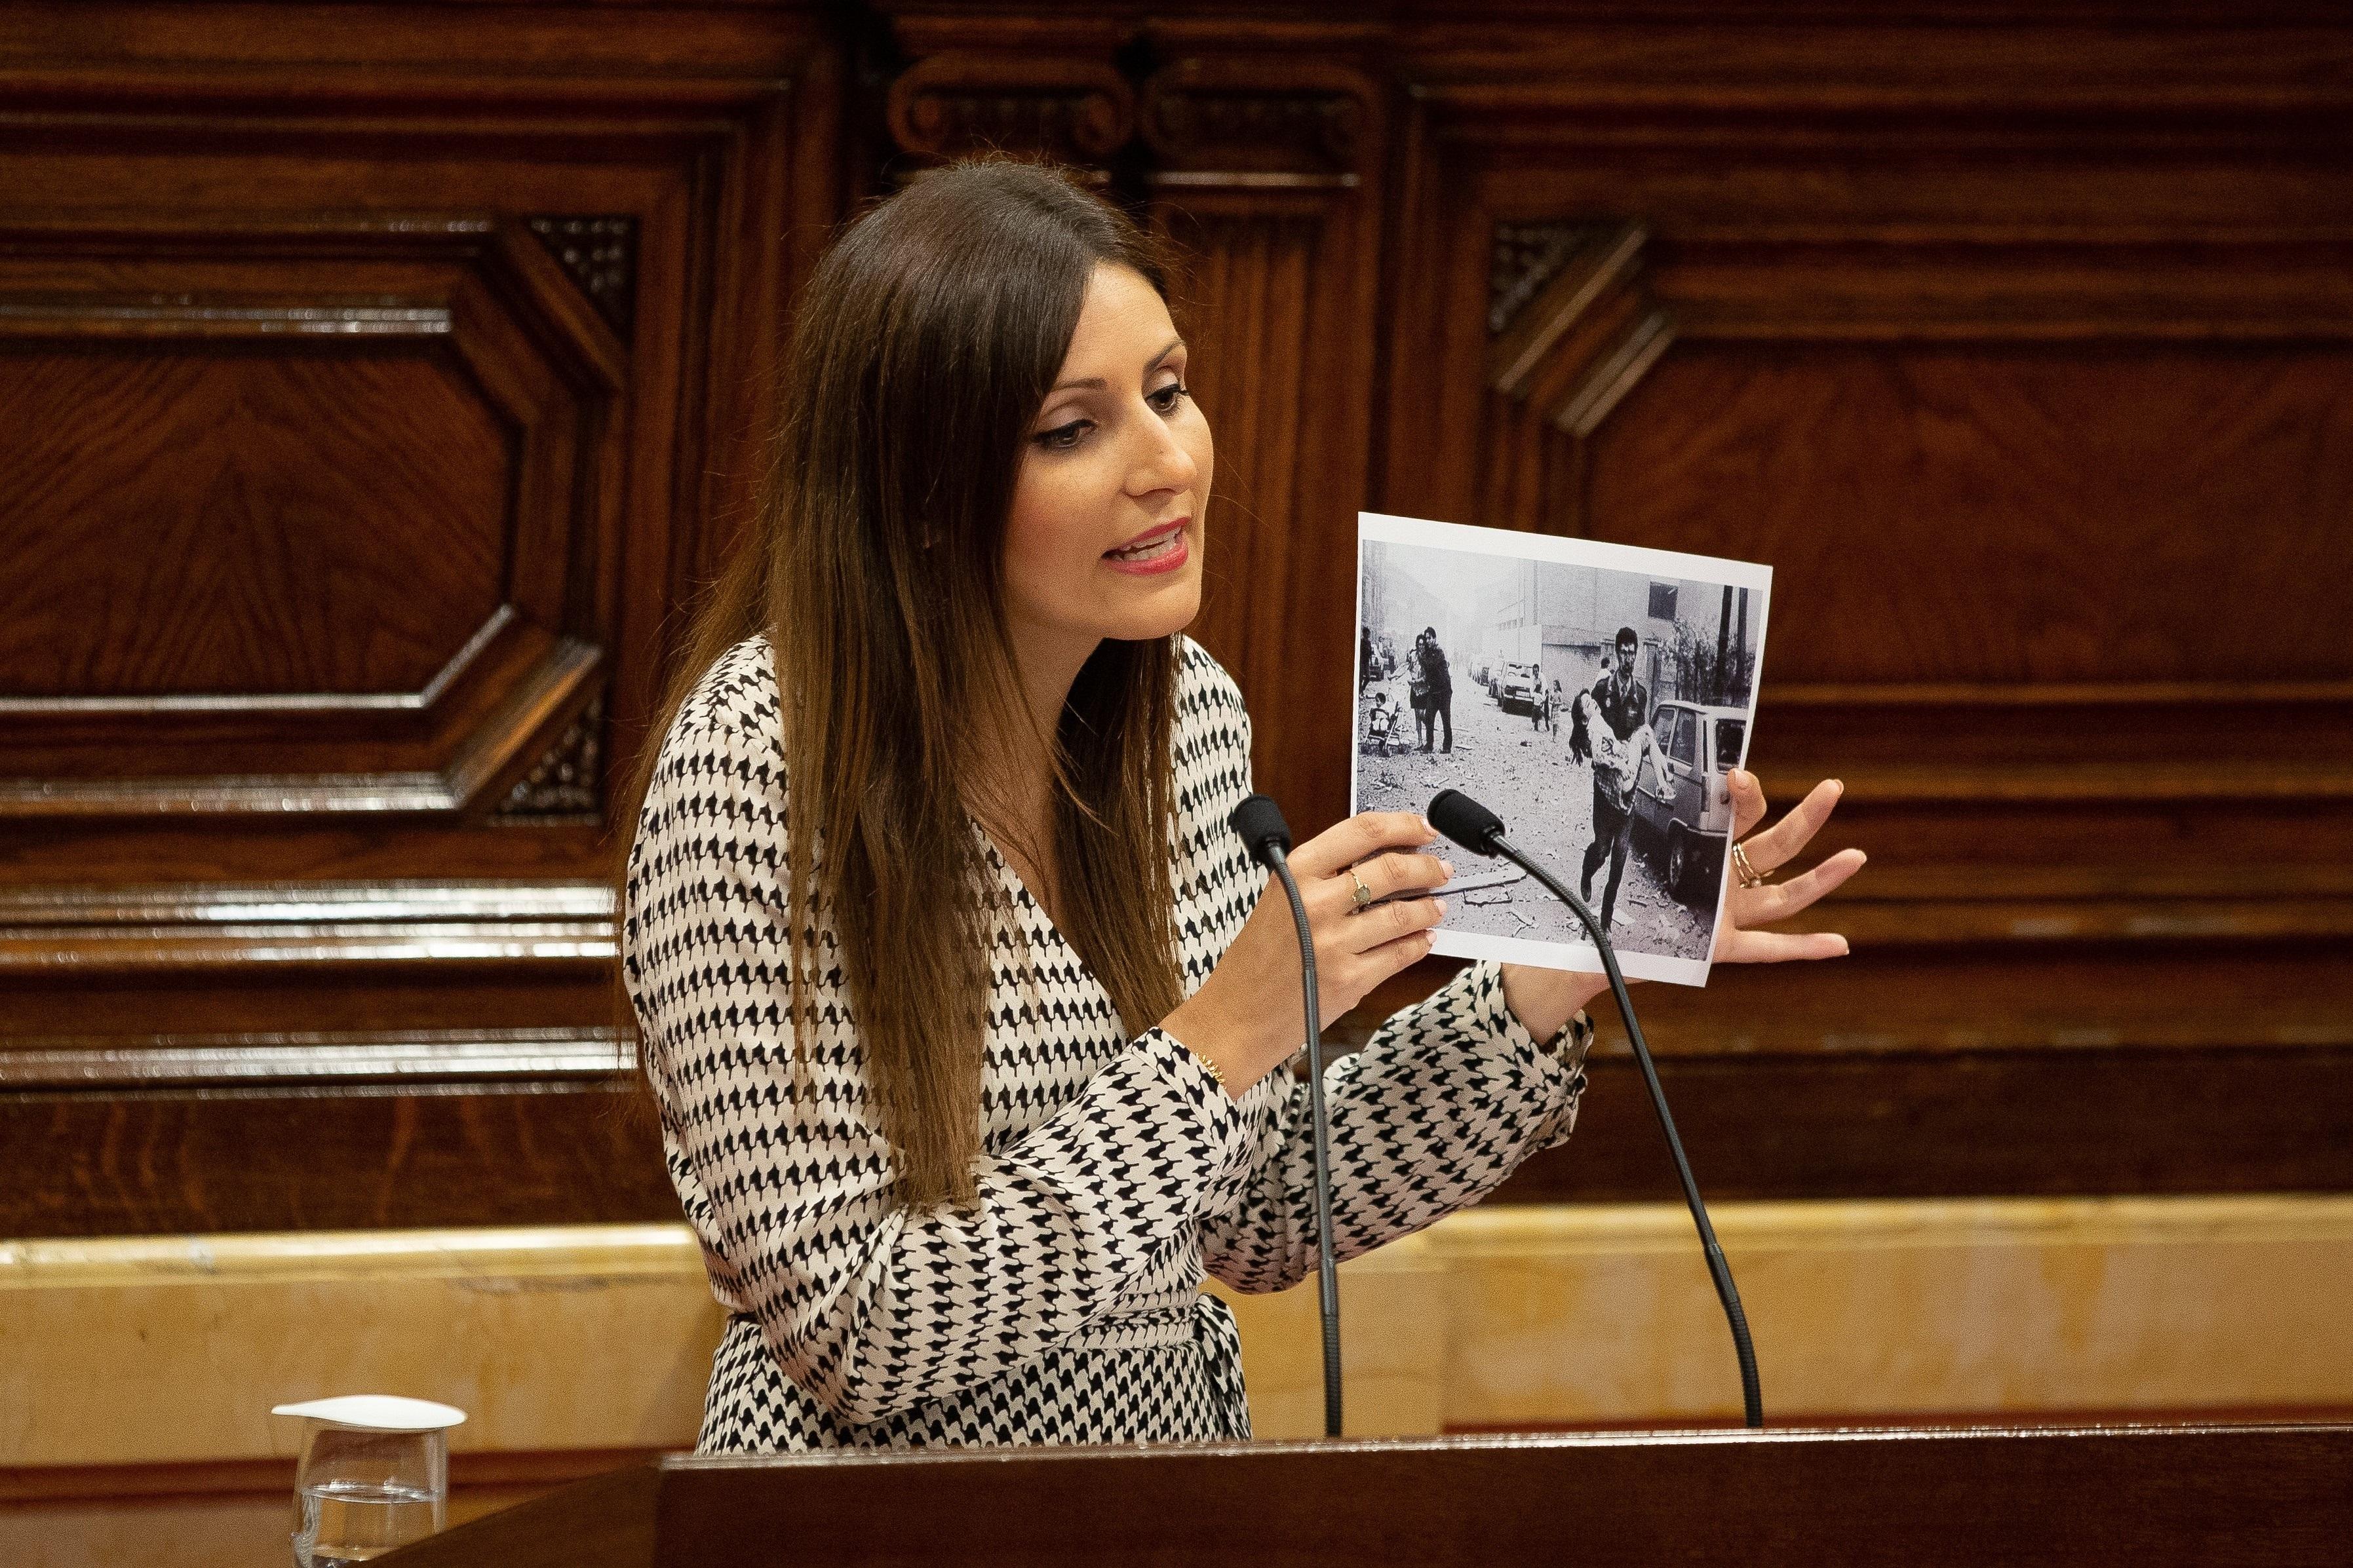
(1259, 822)
(1465, 821)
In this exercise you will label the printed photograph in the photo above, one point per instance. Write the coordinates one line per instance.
(1594, 696)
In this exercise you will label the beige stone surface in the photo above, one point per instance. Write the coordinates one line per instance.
(1884, 1310)
(122, 1359)
(1392, 1348)
(159, 1351)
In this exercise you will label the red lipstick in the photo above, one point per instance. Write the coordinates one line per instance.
(1160, 549)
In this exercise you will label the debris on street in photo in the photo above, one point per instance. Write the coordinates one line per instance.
(1546, 800)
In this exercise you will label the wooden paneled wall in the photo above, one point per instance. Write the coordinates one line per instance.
(373, 383)
(376, 381)
(2021, 347)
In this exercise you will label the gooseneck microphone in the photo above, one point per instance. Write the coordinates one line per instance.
(1481, 831)
(1263, 832)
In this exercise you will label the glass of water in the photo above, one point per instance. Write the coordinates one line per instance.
(375, 1474)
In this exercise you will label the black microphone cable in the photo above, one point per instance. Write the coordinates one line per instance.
(1259, 822)
(1481, 831)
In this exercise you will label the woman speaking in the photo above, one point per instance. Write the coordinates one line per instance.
(964, 1008)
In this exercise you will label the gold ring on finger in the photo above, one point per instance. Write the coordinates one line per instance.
(1364, 895)
(1749, 876)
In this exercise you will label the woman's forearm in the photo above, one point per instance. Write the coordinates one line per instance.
(1545, 999)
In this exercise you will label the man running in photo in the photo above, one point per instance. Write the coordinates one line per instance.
(1623, 705)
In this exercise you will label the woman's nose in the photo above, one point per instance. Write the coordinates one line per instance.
(1164, 463)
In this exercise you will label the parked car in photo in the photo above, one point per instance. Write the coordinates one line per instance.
(1519, 687)
(1685, 818)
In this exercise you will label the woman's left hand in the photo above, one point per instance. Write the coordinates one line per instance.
(1737, 940)
(1544, 998)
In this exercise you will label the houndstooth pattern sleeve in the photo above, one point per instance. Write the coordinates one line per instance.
(868, 1308)
(1444, 1101)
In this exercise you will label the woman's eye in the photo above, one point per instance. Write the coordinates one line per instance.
(1166, 398)
(1062, 437)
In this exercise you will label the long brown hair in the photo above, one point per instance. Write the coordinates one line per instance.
(923, 349)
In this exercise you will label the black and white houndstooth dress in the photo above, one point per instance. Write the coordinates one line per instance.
(1064, 1307)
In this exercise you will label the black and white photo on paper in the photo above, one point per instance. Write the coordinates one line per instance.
(1595, 696)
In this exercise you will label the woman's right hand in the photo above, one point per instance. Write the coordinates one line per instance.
(1246, 1019)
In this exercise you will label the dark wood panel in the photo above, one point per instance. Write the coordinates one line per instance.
(2211, 1493)
(242, 850)
(2198, 78)
(2039, 992)
(1249, 289)
(2027, 1122)
(366, 480)
(2206, 1073)
(1935, 1069)
(210, 522)
(2039, 516)
(2215, 1494)
(298, 992)
(176, 985)
(132, 1163)
(679, 153)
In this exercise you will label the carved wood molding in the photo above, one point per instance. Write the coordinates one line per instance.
(1195, 120)
(316, 1058)
(567, 783)
(1075, 109)
(549, 683)
(405, 1154)
(1242, 130)
(538, 260)
(600, 254)
(290, 946)
(229, 930)
(229, 954)
(2208, 77)
(1572, 327)
(166, 319)
(1573, 321)
(219, 905)
(504, 340)
(1527, 255)
(1244, 123)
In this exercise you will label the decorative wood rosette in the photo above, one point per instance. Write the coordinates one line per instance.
(962, 103)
